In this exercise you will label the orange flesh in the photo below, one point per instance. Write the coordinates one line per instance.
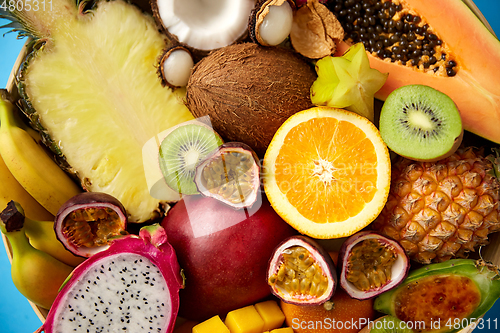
(437, 298)
(327, 169)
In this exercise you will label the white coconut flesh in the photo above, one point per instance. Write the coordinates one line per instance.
(206, 24)
(277, 24)
(123, 292)
(177, 68)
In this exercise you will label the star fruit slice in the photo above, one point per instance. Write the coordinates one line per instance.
(347, 82)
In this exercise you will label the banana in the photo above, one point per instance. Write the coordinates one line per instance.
(42, 237)
(32, 167)
(10, 189)
(40, 233)
(37, 275)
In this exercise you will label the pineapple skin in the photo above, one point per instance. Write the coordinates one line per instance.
(442, 210)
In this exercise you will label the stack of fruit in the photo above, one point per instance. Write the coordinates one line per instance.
(190, 168)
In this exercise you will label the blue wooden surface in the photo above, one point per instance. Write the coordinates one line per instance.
(16, 315)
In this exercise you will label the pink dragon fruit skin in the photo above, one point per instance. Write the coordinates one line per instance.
(133, 286)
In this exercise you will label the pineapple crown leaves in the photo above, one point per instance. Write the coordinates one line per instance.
(19, 23)
(28, 23)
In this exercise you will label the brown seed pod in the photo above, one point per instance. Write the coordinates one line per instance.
(271, 21)
(249, 91)
(315, 31)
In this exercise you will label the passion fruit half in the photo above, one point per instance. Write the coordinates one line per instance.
(301, 272)
(87, 221)
(371, 264)
(230, 174)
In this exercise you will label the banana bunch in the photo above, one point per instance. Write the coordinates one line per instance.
(30, 165)
(36, 274)
(31, 178)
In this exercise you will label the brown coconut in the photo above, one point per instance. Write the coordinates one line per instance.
(249, 90)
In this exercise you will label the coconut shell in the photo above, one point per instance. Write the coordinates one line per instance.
(249, 91)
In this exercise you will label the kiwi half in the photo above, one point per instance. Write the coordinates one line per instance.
(421, 123)
(180, 153)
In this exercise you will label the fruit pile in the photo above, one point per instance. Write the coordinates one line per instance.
(178, 166)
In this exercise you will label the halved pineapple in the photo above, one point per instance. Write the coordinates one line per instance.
(91, 86)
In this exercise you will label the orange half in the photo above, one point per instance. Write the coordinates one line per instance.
(327, 172)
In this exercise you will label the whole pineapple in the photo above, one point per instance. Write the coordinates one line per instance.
(443, 209)
(90, 86)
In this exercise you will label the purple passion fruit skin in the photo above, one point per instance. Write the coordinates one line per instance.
(301, 272)
(230, 174)
(371, 264)
(453, 293)
(86, 222)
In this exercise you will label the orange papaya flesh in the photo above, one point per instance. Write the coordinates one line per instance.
(476, 86)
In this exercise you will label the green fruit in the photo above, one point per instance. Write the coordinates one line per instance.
(421, 123)
(180, 153)
(443, 297)
(347, 82)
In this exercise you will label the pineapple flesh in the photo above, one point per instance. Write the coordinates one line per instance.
(92, 87)
(444, 209)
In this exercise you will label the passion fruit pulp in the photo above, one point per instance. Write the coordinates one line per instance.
(86, 222)
(300, 271)
(371, 264)
(230, 174)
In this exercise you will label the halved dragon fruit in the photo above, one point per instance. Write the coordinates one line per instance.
(133, 286)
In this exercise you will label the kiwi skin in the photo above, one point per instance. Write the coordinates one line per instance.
(434, 104)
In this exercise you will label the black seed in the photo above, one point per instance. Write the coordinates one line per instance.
(451, 63)
(416, 19)
(450, 72)
(394, 39)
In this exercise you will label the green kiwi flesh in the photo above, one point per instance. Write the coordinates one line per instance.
(181, 151)
(420, 123)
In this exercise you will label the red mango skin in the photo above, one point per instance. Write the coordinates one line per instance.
(224, 253)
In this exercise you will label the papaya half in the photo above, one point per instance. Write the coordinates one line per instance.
(442, 44)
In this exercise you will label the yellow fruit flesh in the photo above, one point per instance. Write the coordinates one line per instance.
(244, 320)
(99, 98)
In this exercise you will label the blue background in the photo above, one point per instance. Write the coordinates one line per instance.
(16, 315)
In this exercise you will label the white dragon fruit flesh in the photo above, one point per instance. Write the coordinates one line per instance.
(133, 286)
